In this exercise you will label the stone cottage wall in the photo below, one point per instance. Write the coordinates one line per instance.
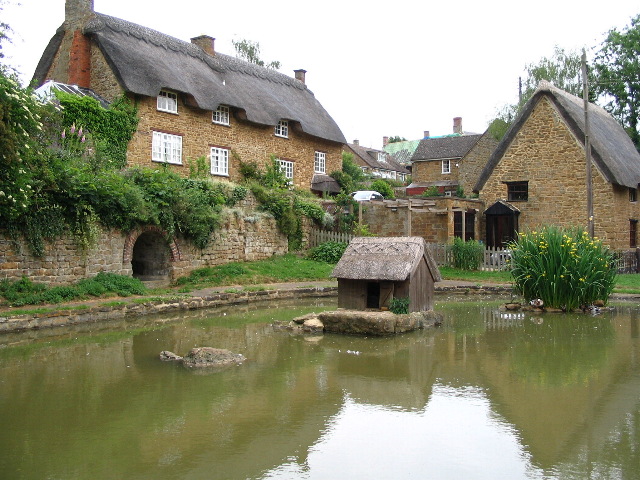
(425, 171)
(244, 235)
(434, 222)
(547, 155)
(250, 142)
(474, 161)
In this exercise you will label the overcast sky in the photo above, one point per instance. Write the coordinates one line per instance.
(378, 68)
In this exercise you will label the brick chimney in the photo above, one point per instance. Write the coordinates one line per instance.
(356, 142)
(426, 134)
(385, 141)
(206, 43)
(457, 125)
(300, 75)
(77, 13)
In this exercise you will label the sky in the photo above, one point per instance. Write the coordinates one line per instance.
(379, 68)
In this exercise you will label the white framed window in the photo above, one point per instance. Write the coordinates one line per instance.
(219, 161)
(282, 129)
(286, 167)
(320, 163)
(446, 166)
(382, 157)
(167, 102)
(166, 148)
(221, 115)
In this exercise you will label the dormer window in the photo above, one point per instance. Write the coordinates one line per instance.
(168, 102)
(221, 115)
(282, 129)
(382, 157)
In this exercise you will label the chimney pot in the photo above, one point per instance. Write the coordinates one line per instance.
(206, 43)
(300, 75)
(457, 125)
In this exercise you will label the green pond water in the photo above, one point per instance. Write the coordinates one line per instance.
(488, 395)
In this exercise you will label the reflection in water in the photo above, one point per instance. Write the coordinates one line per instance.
(487, 395)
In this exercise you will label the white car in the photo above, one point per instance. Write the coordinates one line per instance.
(366, 195)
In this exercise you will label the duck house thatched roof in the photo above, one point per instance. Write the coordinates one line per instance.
(384, 258)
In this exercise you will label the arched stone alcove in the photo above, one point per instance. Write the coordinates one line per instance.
(150, 254)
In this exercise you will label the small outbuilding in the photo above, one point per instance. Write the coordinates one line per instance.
(374, 270)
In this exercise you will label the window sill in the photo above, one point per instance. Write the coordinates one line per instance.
(168, 163)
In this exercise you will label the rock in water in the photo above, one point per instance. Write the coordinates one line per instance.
(211, 357)
(167, 356)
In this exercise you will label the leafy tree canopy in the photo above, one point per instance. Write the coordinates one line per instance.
(617, 65)
(397, 139)
(250, 51)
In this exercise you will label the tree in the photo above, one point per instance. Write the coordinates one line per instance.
(562, 69)
(396, 139)
(5, 30)
(250, 51)
(617, 65)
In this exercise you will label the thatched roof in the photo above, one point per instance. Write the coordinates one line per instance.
(324, 183)
(145, 61)
(384, 258)
(444, 148)
(612, 151)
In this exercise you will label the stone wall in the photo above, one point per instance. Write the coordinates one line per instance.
(245, 235)
(546, 154)
(431, 218)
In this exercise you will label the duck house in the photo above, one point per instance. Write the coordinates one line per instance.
(374, 270)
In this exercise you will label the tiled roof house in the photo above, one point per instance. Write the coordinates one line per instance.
(377, 163)
(449, 162)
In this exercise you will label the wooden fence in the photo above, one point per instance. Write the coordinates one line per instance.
(493, 258)
(316, 237)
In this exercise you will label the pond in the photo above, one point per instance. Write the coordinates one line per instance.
(489, 394)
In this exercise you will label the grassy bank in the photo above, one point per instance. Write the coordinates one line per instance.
(248, 275)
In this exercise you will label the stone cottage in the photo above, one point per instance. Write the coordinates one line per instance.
(450, 162)
(195, 102)
(537, 174)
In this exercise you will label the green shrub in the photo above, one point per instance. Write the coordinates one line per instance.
(383, 188)
(329, 252)
(432, 192)
(467, 255)
(564, 268)
(399, 305)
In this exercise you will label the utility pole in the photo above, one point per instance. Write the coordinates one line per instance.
(587, 145)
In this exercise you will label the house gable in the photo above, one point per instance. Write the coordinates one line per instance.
(543, 157)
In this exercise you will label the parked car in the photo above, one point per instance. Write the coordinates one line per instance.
(366, 195)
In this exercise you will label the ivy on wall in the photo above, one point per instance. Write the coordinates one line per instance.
(112, 128)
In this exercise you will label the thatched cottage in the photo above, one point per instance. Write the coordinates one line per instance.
(193, 101)
(537, 174)
(374, 270)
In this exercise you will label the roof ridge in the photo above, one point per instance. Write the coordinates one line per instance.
(219, 62)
